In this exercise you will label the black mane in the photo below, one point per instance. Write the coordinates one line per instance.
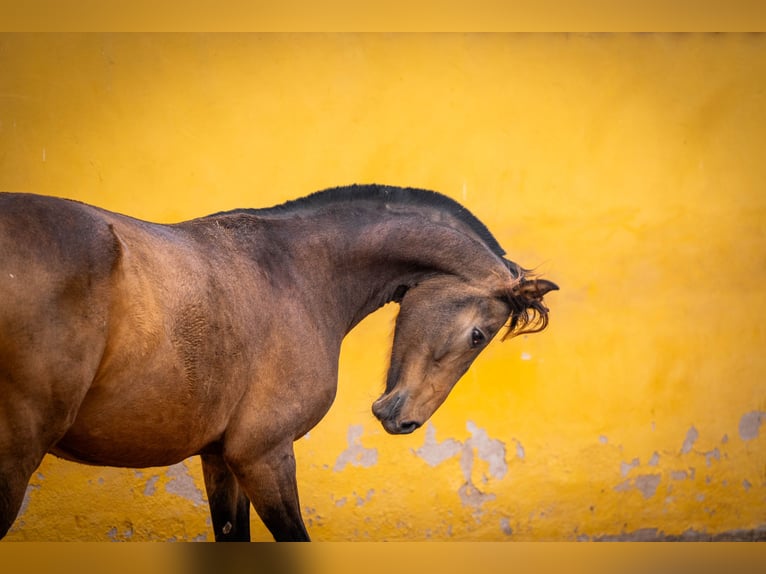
(384, 194)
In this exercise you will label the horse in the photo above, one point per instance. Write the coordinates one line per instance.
(134, 344)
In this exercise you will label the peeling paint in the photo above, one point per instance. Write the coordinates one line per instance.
(25, 501)
(492, 451)
(433, 452)
(646, 483)
(691, 438)
(182, 484)
(519, 449)
(466, 462)
(655, 460)
(603, 439)
(151, 485)
(750, 424)
(711, 455)
(473, 497)
(625, 467)
(114, 534)
(505, 526)
(360, 501)
(488, 449)
(356, 454)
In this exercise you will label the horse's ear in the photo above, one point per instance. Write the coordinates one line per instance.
(534, 289)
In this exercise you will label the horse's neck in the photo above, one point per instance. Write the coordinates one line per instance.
(350, 268)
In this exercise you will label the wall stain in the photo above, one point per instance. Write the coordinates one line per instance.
(757, 534)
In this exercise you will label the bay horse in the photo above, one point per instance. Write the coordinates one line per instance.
(135, 344)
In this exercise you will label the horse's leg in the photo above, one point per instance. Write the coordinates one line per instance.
(23, 443)
(269, 481)
(229, 506)
(15, 472)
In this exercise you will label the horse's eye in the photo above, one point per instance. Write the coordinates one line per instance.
(477, 337)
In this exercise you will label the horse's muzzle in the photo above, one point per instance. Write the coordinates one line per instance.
(387, 409)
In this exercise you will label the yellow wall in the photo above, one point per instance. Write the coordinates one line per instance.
(628, 169)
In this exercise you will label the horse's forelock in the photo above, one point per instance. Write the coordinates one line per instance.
(528, 315)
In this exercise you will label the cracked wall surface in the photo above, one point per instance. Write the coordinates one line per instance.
(626, 168)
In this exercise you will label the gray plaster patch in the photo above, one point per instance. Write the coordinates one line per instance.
(114, 534)
(360, 501)
(25, 500)
(714, 454)
(603, 439)
(647, 484)
(505, 526)
(626, 467)
(520, 450)
(750, 424)
(182, 484)
(356, 454)
(434, 452)
(679, 475)
(472, 496)
(151, 485)
(655, 460)
(466, 461)
(624, 486)
(488, 449)
(691, 438)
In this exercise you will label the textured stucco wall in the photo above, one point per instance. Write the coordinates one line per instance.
(628, 169)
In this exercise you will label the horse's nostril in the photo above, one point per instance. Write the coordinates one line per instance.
(407, 427)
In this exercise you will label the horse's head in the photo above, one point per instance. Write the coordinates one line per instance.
(443, 325)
